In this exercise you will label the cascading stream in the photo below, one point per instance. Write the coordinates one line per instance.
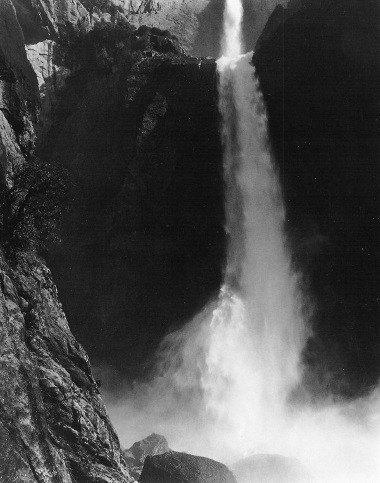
(258, 313)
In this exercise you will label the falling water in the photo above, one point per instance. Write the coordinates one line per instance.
(258, 271)
(226, 378)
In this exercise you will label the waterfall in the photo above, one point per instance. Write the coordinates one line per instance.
(255, 334)
(225, 380)
(258, 270)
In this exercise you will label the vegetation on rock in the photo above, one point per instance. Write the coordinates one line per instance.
(31, 207)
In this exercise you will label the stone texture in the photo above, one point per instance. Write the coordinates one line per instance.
(136, 454)
(51, 71)
(19, 102)
(198, 24)
(51, 19)
(55, 425)
(174, 467)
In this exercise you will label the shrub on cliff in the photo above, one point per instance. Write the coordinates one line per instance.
(31, 208)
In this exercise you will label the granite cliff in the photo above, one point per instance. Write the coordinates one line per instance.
(54, 427)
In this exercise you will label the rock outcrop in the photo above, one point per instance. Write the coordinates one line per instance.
(19, 99)
(174, 467)
(319, 70)
(51, 19)
(54, 427)
(151, 446)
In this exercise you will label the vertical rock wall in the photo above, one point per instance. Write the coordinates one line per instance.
(53, 423)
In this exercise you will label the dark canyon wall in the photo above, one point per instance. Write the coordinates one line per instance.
(319, 67)
(137, 129)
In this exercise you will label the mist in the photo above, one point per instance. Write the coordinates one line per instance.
(229, 384)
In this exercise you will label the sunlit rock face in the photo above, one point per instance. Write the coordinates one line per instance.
(42, 19)
(174, 467)
(319, 70)
(49, 27)
(19, 100)
(197, 23)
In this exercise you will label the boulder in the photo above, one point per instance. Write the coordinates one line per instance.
(136, 454)
(174, 467)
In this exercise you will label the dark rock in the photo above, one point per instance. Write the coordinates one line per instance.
(174, 467)
(319, 69)
(270, 468)
(143, 243)
(136, 454)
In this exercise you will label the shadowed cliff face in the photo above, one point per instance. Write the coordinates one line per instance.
(320, 73)
(137, 129)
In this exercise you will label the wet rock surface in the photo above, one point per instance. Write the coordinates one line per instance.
(174, 467)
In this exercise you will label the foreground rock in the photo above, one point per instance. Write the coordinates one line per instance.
(174, 467)
(151, 446)
(270, 468)
(53, 423)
